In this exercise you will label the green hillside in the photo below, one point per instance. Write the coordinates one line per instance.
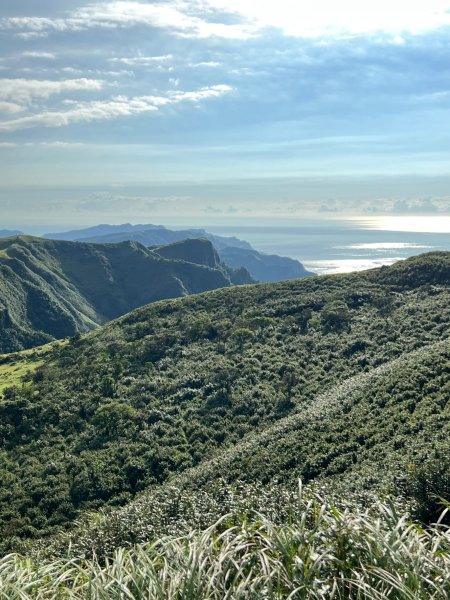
(235, 253)
(328, 376)
(55, 289)
(372, 433)
(198, 251)
(17, 368)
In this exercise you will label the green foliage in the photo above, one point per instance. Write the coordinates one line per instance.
(115, 419)
(108, 386)
(187, 389)
(242, 335)
(326, 551)
(427, 484)
(336, 316)
(55, 289)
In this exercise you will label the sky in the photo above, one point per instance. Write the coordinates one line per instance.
(214, 111)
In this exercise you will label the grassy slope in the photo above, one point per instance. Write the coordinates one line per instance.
(53, 289)
(324, 552)
(160, 389)
(17, 368)
(363, 435)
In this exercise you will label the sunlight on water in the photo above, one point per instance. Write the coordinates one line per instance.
(330, 267)
(344, 245)
(383, 246)
(425, 224)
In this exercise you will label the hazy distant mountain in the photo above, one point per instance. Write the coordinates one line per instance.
(232, 251)
(9, 232)
(52, 289)
(97, 230)
(263, 267)
(148, 235)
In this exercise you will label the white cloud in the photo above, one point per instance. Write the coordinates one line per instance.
(118, 107)
(207, 18)
(331, 18)
(142, 60)
(35, 54)
(212, 64)
(35, 26)
(175, 15)
(10, 108)
(208, 92)
(28, 35)
(95, 72)
(57, 144)
(25, 90)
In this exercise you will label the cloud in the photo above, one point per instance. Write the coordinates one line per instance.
(241, 19)
(142, 60)
(25, 90)
(212, 64)
(10, 108)
(118, 107)
(105, 201)
(207, 92)
(96, 72)
(57, 144)
(328, 18)
(175, 15)
(53, 144)
(28, 35)
(35, 54)
(422, 205)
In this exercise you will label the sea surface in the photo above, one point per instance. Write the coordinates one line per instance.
(345, 245)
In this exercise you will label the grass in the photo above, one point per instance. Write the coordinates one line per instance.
(324, 552)
(16, 367)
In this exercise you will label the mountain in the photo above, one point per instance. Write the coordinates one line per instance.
(5, 233)
(393, 414)
(148, 235)
(75, 235)
(202, 252)
(342, 380)
(263, 267)
(233, 252)
(198, 251)
(54, 289)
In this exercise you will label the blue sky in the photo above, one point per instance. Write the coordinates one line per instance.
(213, 110)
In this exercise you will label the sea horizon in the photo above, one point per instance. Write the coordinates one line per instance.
(328, 246)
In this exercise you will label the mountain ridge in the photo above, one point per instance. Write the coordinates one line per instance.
(53, 289)
(232, 251)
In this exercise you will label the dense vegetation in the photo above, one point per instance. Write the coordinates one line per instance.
(342, 372)
(357, 439)
(321, 552)
(53, 289)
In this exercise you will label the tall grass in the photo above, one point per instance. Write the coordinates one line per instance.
(324, 552)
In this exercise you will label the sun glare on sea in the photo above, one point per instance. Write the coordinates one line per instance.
(419, 224)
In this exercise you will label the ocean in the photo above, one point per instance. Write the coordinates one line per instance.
(345, 245)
